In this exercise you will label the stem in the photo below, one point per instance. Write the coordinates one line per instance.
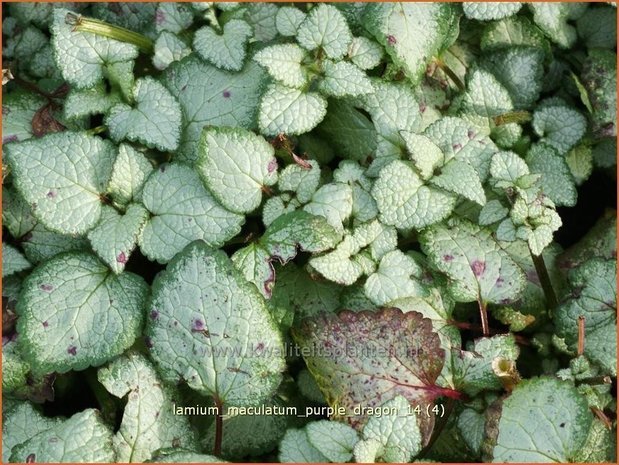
(581, 335)
(483, 312)
(102, 28)
(544, 279)
(595, 381)
(450, 73)
(513, 117)
(602, 416)
(219, 428)
(97, 130)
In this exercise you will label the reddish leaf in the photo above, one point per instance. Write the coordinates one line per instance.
(367, 358)
(43, 122)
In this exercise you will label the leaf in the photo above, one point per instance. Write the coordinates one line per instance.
(91, 101)
(461, 178)
(397, 433)
(18, 110)
(283, 62)
(560, 126)
(593, 295)
(397, 276)
(115, 237)
(246, 369)
(155, 121)
(597, 28)
(476, 265)
(411, 33)
(405, 202)
(484, 11)
(296, 448)
(424, 153)
(288, 20)
(227, 50)
(176, 455)
(325, 27)
(473, 369)
(217, 98)
(297, 230)
(261, 17)
(334, 440)
(82, 438)
(556, 179)
(527, 428)
(485, 96)
(397, 369)
(14, 369)
(129, 173)
(84, 58)
(40, 244)
(149, 422)
(12, 260)
(63, 299)
(599, 77)
(552, 19)
(332, 201)
(512, 31)
(63, 174)
(236, 166)
(21, 423)
(507, 169)
(301, 180)
(344, 79)
(365, 53)
(182, 211)
(290, 111)
(173, 17)
(168, 49)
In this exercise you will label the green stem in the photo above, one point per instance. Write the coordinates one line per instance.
(102, 28)
(483, 312)
(97, 130)
(518, 116)
(449, 72)
(544, 279)
(219, 428)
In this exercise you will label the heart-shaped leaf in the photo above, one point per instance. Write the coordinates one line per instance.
(226, 51)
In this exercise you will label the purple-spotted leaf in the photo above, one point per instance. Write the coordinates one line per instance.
(478, 268)
(364, 359)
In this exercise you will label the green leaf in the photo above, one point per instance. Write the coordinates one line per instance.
(226, 50)
(365, 53)
(334, 440)
(471, 425)
(182, 211)
(485, 96)
(478, 268)
(116, 235)
(296, 448)
(598, 28)
(461, 178)
(63, 174)
(217, 98)
(288, 20)
(230, 348)
(297, 230)
(176, 455)
(485, 11)
(236, 166)
(90, 101)
(397, 433)
(84, 58)
(556, 179)
(290, 111)
(149, 422)
(12, 260)
(594, 296)
(326, 28)
(552, 20)
(14, 369)
(21, 423)
(155, 121)
(261, 17)
(348, 381)
(411, 33)
(507, 168)
(283, 62)
(599, 76)
(276, 206)
(63, 299)
(397, 276)
(344, 79)
(300, 179)
(559, 125)
(512, 31)
(405, 202)
(173, 17)
(82, 438)
(168, 49)
(18, 110)
(492, 212)
(41, 244)
(333, 201)
(473, 368)
(529, 428)
(129, 173)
